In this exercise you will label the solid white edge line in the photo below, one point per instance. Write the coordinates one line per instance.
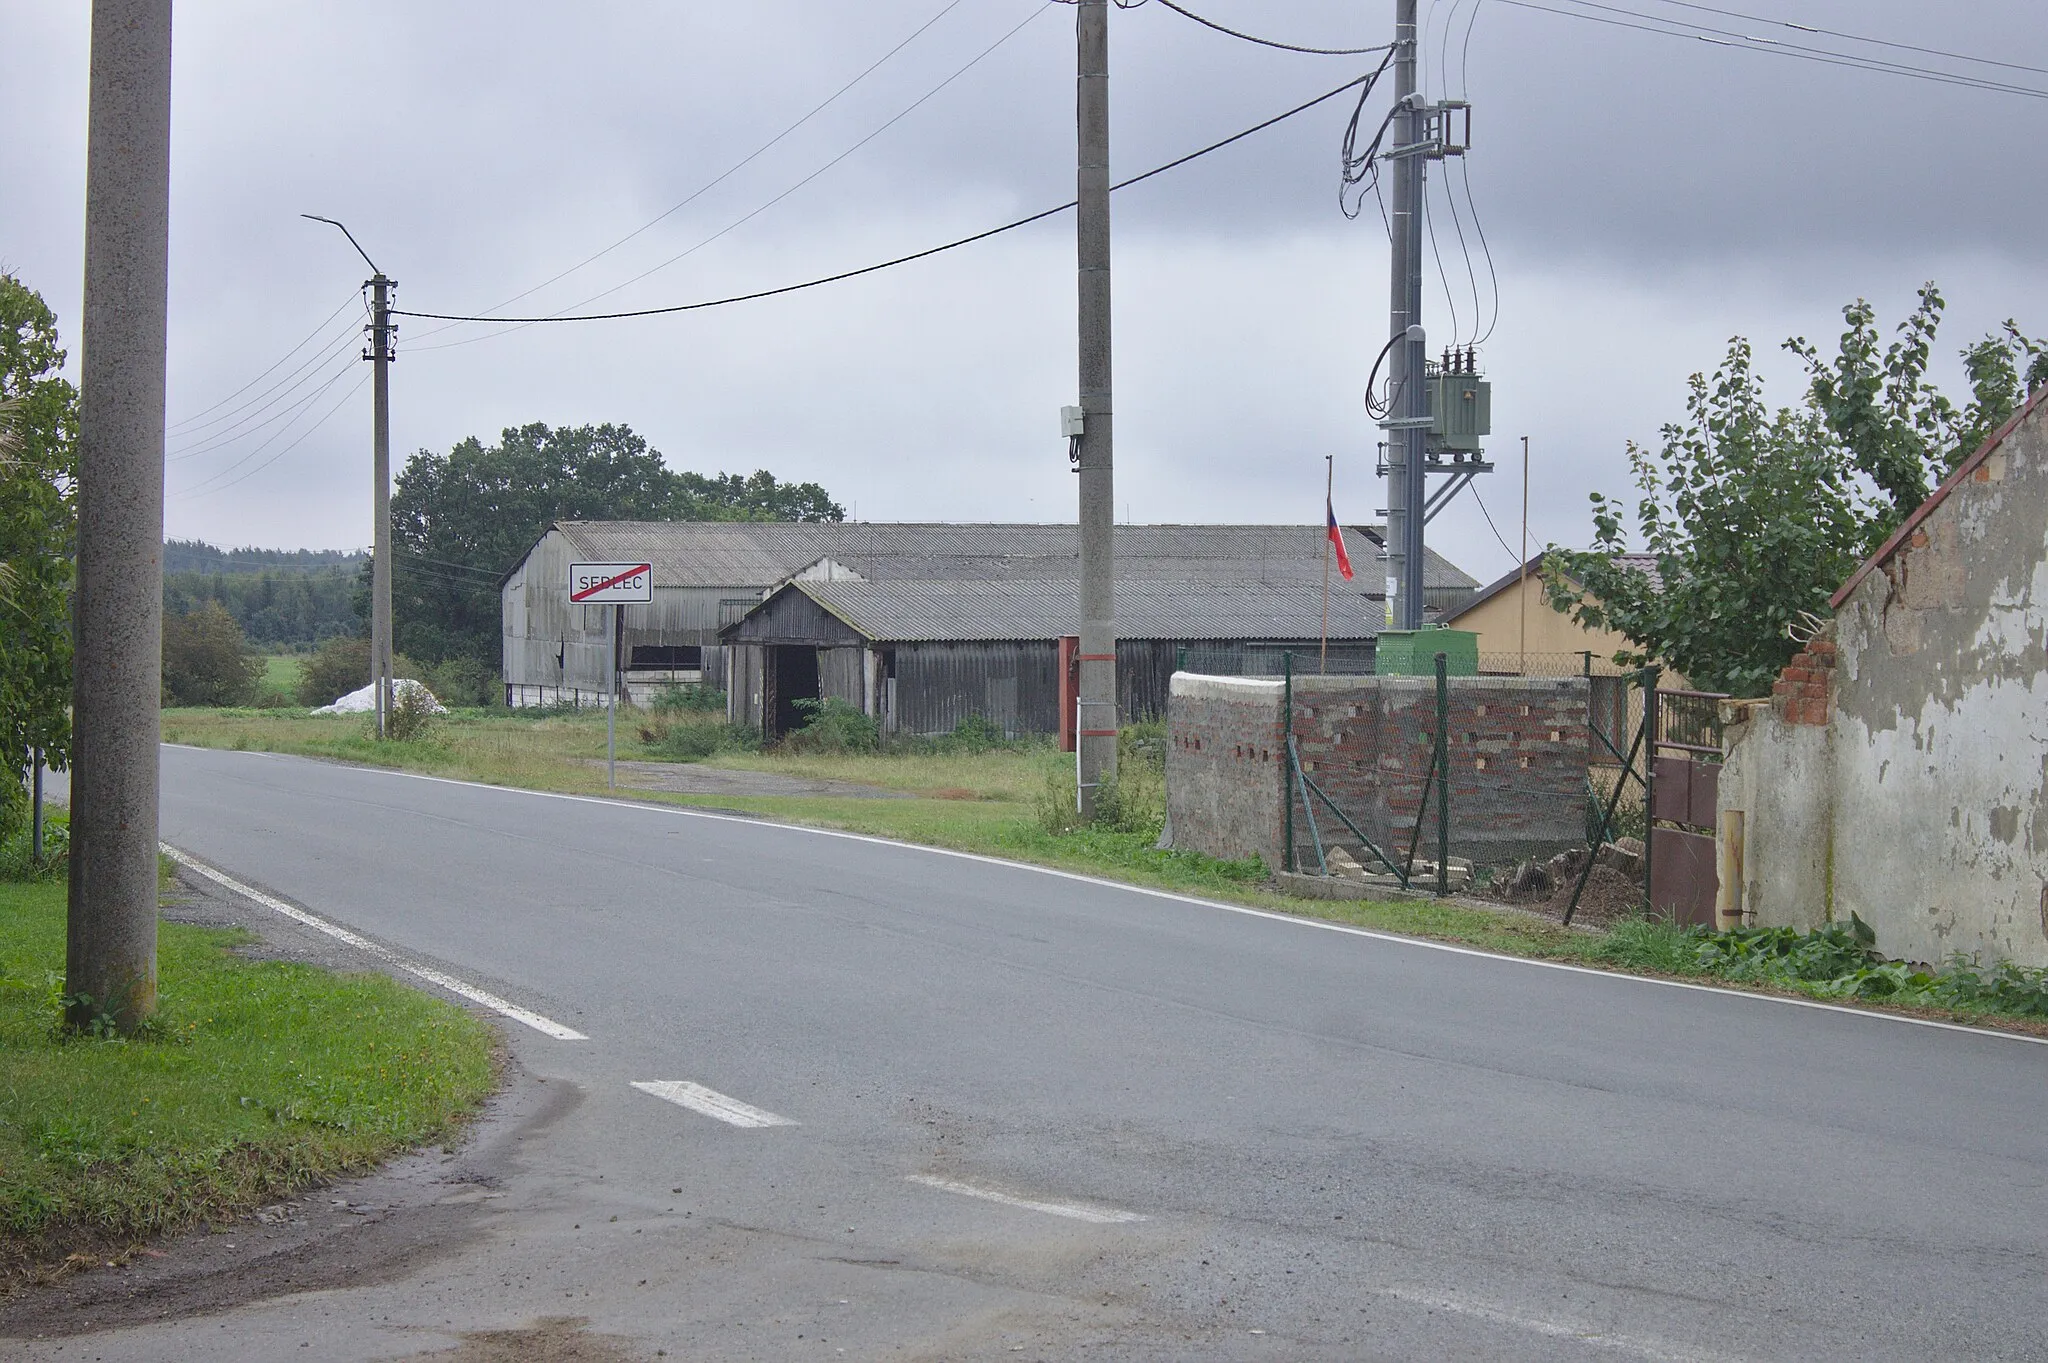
(1653, 1350)
(1295, 920)
(711, 1103)
(545, 1025)
(1073, 1211)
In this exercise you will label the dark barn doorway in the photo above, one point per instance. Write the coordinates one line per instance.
(792, 676)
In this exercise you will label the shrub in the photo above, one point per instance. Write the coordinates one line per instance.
(17, 860)
(413, 712)
(341, 665)
(463, 682)
(688, 698)
(833, 725)
(206, 660)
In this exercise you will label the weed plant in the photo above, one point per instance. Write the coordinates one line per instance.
(17, 850)
(688, 698)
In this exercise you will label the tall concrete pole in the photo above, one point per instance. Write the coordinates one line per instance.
(1407, 476)
(117, 611)
(380, 498)
(1096, 739)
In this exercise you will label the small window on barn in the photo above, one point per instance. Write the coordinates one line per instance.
(666, 658)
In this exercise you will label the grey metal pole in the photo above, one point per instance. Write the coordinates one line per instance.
(1097, 730)
(611, 712)
(380, 497)
(117, 608)
(35, 814)
(1407, 478)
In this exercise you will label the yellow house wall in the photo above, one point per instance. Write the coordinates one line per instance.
(1553, 638)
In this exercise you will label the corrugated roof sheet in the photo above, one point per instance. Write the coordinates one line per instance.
(757, 554)
(905, 610)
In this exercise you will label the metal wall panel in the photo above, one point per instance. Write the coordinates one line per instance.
(1012, 684)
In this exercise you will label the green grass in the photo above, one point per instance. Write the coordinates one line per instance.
(255, 1078)
(281, 672)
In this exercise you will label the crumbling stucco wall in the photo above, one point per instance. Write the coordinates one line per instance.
(1922, 803)
(1226, 763)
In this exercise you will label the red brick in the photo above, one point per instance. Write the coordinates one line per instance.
(1823, 649)
(1796, 674)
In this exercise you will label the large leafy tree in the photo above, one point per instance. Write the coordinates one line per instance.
(38, 461)
(1754, 517)
(459, 521)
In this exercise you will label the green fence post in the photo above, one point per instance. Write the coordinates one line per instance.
(1287, 748)
(1443, 774)
(1651, 719)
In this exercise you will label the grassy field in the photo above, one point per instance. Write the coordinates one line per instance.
(281, 672)
(255, 1078)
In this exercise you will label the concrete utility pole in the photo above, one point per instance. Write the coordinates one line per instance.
(380, 498)
(1408, 424)
(117, 609)
(380, 354)
(1097, 721)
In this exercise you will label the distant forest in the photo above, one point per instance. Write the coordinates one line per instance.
(282, 598)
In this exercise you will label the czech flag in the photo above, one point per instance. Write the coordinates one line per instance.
(1337, 538)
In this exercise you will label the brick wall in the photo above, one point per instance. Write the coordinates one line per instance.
(1225, 766)
(1518, 757)
(1805, 691)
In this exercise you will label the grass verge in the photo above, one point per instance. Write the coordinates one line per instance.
(255, 1078)
(994, 803)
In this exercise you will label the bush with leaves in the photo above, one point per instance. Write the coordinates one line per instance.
(1755, 517)
(833, 725)
(339, 666)
(38, 454)
(692, 698)
(206, 660)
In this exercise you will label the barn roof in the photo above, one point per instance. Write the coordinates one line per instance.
(907, 610)
(758, 554)
(1645, 564)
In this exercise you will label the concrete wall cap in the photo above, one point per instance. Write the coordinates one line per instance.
(1238, 688)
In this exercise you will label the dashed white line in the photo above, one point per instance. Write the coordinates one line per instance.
(1073, 1211)
(710, 1102)
(546, 1026)
(1655, 1351)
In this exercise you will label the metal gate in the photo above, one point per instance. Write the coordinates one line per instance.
(1681, 869)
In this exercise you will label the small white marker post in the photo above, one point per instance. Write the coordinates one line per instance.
(614, 585)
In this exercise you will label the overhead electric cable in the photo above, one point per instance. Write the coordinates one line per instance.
(196, 490)
(1490, 525)
(729, 171)
(297, 411)
(198, 443)
(1186, 13)
(1857, 37)
(915, 255)
(741, 221)
(177, 425)
(1743, 42)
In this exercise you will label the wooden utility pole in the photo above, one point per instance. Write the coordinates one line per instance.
(117, 608)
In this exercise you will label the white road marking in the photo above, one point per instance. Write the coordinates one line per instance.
(1653, 1350)
(711, 1103)
(547, 1026)
(1074, 1211)
(1292, 920)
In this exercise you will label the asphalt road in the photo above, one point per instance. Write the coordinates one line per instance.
(1223, 1134)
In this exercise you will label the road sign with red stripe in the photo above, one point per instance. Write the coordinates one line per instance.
(599, 584)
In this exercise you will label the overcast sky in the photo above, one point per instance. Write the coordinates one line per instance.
(1644, 197)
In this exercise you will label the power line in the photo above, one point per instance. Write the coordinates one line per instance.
(176, 427)
(913, 256)
(728, 172)
(200, 488)
(749, 217)
(1187, 13)
(1490, 525)
(1748, 44)
(242, 429)
(1857, 37)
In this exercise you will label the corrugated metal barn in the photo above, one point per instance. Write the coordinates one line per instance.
(921, 656)
(710, 574)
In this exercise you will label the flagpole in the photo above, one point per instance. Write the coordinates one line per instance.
(1329, 510)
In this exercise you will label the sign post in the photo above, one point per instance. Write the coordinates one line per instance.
(614, 585)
